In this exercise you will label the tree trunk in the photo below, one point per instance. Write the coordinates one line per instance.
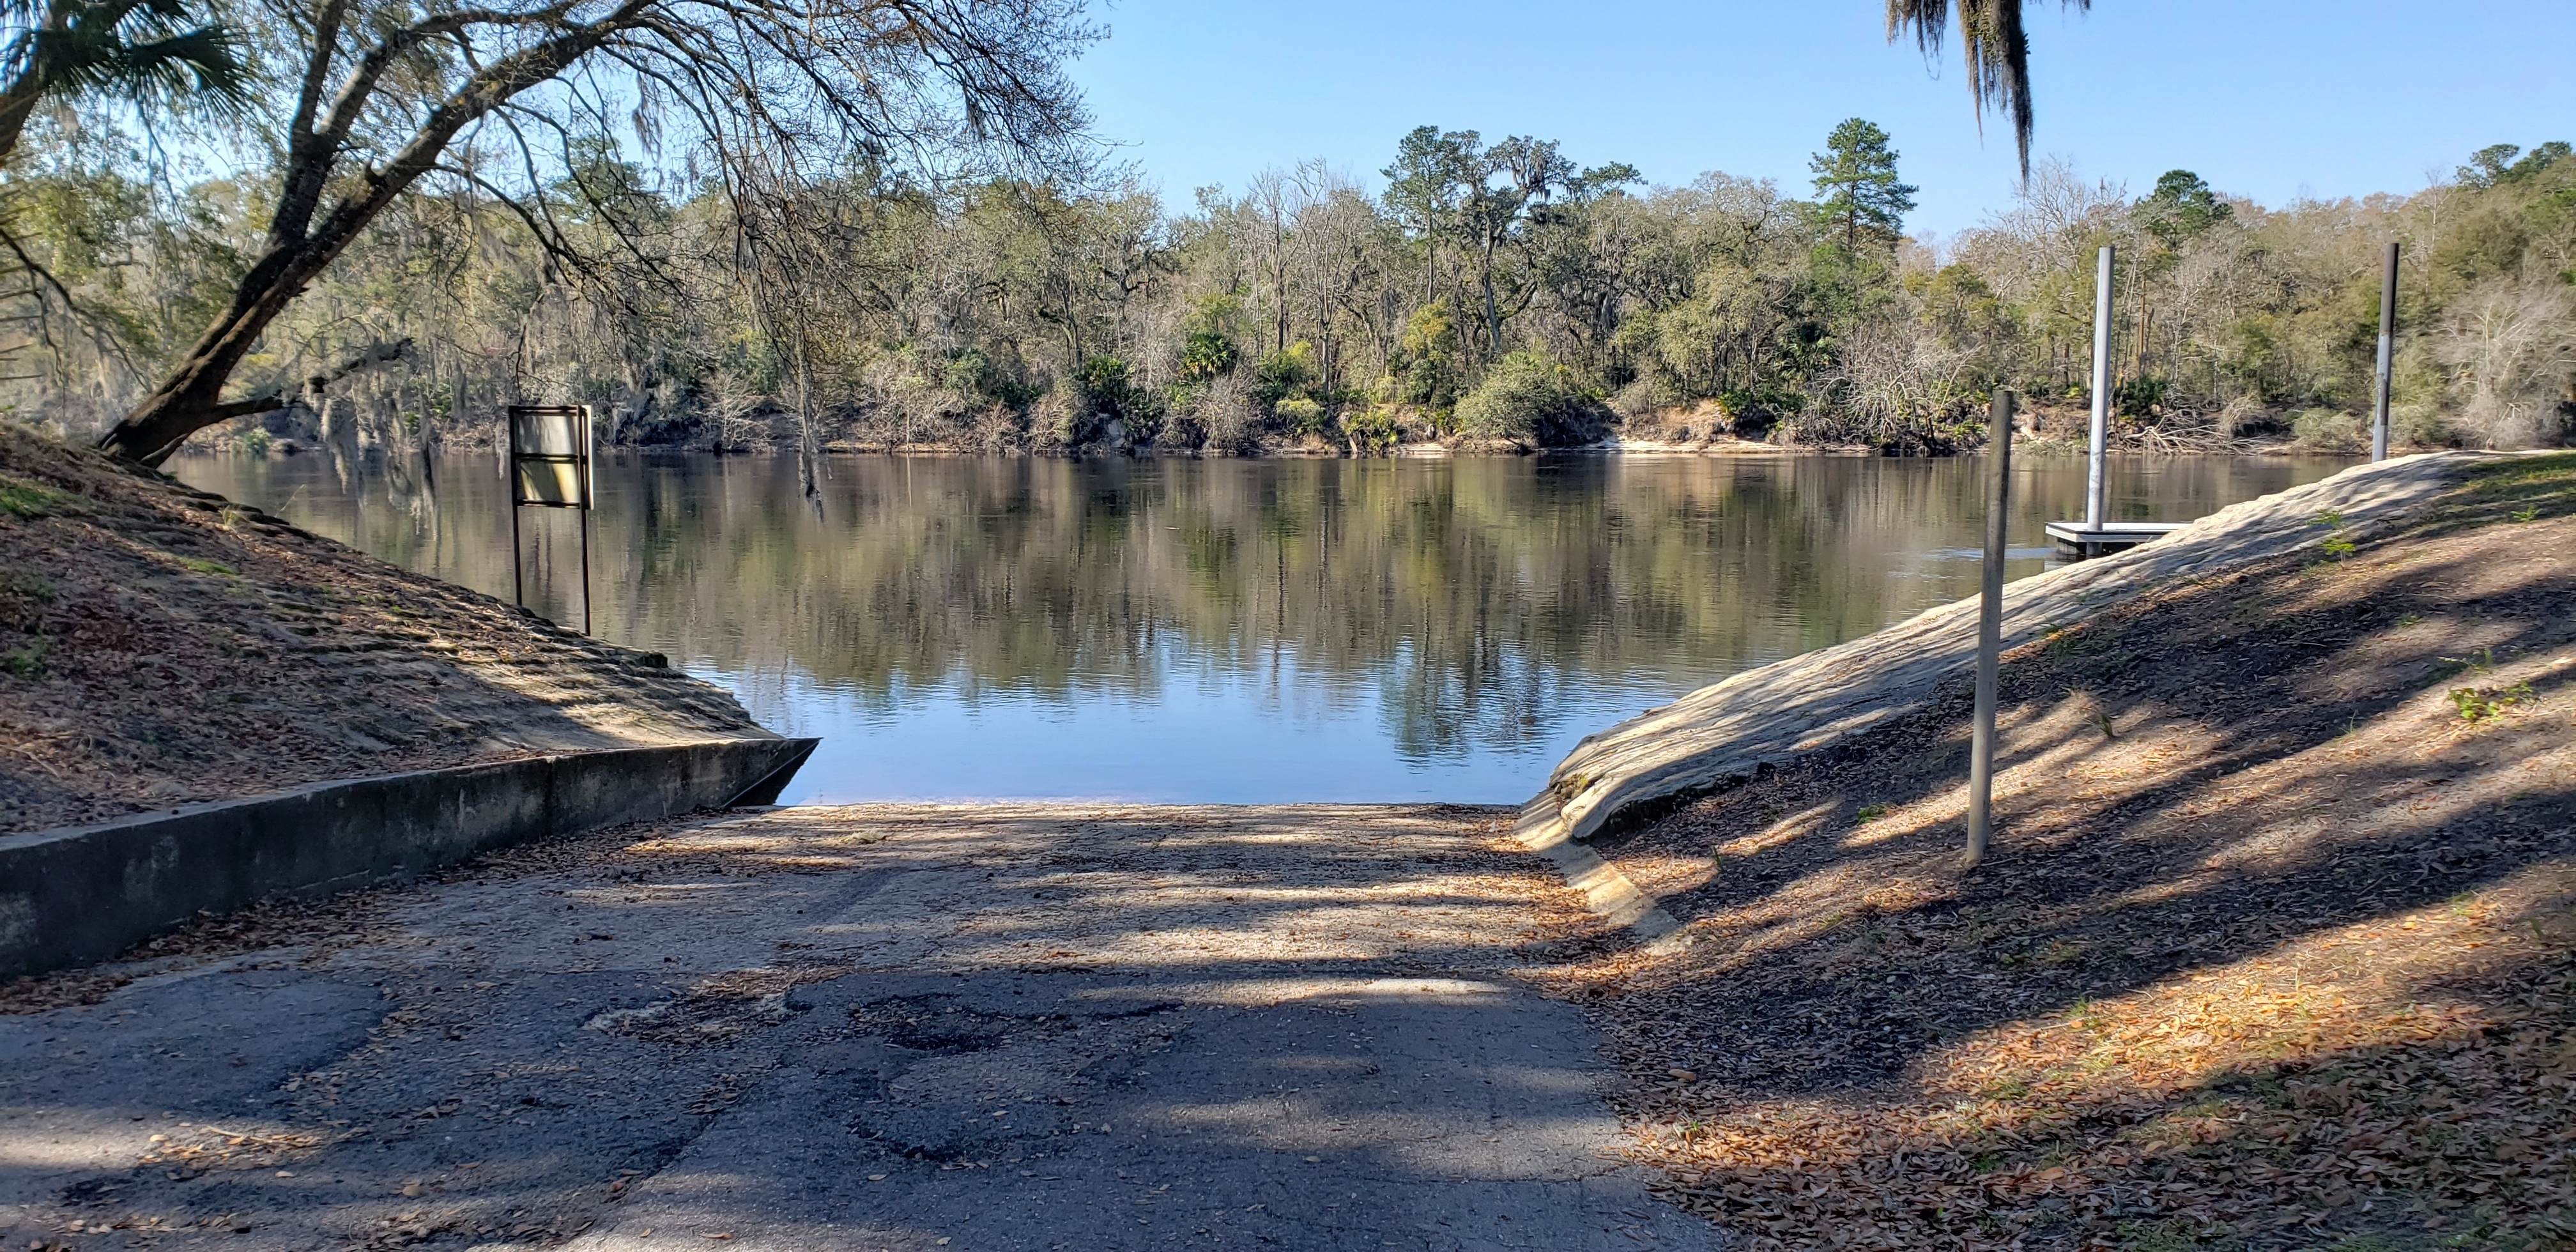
(1493, 315)
(190, 399)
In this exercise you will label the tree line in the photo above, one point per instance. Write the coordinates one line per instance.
(1484, 293)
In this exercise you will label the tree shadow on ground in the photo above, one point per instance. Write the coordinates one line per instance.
(2321, 807)
(767, 1023)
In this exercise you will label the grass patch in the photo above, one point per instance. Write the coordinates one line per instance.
(207, 567)
(2529, 489)
(26, 586)
(2454, 666)
(27, 500)
(24, 662)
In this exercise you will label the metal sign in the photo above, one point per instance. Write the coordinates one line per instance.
(550, 455)
(550, 467)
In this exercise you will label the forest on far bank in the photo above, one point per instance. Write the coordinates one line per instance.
(1494, 293)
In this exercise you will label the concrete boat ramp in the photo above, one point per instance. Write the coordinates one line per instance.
(1037, 1027)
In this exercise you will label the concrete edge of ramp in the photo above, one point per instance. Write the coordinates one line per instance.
(1608, 892)
(85, 893)
(1770, 714)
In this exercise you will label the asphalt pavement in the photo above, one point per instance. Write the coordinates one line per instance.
(875, 1027)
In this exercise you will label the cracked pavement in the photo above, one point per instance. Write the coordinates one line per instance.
(867, 1027)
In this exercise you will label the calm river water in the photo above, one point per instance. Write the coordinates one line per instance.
(1221, 631)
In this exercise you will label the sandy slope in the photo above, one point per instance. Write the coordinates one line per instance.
(159, 645)
(2276, 949)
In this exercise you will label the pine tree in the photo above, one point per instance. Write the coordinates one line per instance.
(1856, 185)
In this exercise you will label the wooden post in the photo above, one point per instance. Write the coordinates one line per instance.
(2387, 345)
(1990, 626)
(2095, 489)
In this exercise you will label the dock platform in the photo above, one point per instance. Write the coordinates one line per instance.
(2086, 541)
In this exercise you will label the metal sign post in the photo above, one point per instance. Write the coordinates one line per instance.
(550, 467)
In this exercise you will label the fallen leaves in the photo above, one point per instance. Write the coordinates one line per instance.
(200, 1149)
(2281, 967)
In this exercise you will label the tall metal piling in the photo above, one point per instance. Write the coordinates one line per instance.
(2387, 357)
(2095, 488)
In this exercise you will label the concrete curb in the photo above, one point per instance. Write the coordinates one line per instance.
(86, 893)
(1613, 895)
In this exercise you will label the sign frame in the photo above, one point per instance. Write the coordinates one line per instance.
(560, 458)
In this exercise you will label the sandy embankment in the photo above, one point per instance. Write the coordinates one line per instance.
(161, 646)
(2276, 948)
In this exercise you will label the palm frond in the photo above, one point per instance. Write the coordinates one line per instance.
(142, 49)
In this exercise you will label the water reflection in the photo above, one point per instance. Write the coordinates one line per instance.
(1222, 630)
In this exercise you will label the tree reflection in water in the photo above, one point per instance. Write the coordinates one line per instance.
(1223, 630)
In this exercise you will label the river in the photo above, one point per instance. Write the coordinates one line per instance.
(1223, 630)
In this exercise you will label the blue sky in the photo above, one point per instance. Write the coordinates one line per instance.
(2271, 100)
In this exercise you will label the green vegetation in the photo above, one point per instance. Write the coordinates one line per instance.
(1491, 290)
(1528, 398)
(25, 586)
(24, 661)
(2338, 543)
(1859, 198)
(409, 131)
(30, 500)
(2544, 486)
(2478, 705)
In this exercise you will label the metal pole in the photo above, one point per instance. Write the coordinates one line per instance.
(589, 486)
(2094, 487)
(1990, 630)
(510, 492)
(585, 569)
(2387, 343)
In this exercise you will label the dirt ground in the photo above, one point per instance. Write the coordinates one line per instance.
(2276, 947)
(162, 646)
(969, 1028)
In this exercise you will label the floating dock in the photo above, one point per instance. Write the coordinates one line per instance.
(2107, 537)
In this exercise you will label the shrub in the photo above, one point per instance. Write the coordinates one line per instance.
(1373, 428)
(1206, 355)
(1299, 415)
(1108, 393)
(1058, 418)
(1753, 413)
(1643, 396)
(2329, 429)
(1423, 369)
(2139, 397)
(2419, 425)
(974, 375)
(1284, 373)
(966, 371)
(1527, 398)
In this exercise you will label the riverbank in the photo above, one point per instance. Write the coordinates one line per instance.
(2275, 949)
(1715, 445)
(161, 646)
